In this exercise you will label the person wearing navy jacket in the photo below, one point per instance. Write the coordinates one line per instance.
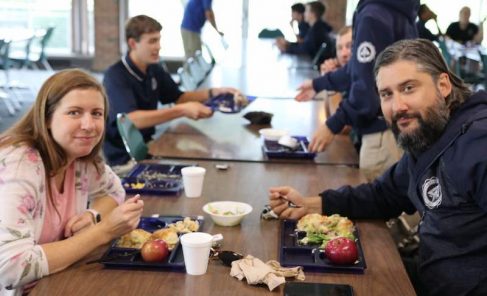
(316, 36)
(442, 128)
(376, 24)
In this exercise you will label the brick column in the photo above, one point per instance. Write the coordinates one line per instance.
(336, 13)
(107, 43)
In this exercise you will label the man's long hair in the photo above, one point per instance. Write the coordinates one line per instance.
(429, 60)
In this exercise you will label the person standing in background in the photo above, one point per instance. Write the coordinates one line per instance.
(297, 15)
(196, 13)
(376, 25)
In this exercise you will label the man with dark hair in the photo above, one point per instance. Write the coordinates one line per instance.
(317, 34)
(377, 24)
(297, 15)
(196, 13)
(442, 128)
(424, 15)
(137, 83)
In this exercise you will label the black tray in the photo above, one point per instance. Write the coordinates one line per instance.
(309, 256)
(274, 150)
(225, 104)
(130, 258)
(156, 179)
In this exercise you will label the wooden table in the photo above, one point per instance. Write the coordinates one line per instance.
(231, 137)
(248, 182)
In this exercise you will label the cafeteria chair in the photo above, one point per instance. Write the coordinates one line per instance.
(484, 66)
(132, 138)
(186, 81)
(204, 64)
(318, 58)
(450, 61)
(5, 65)
(197, 72)
(37, 55)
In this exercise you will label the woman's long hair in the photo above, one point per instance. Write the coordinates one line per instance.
(32, 129)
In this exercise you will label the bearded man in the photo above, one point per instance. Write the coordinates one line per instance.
(442, 128)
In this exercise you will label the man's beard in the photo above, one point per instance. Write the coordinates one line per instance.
(429, 131)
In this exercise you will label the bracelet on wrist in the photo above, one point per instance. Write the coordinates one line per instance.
(210, 93)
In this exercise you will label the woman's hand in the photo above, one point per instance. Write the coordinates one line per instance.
(78, 223)
(123, 218)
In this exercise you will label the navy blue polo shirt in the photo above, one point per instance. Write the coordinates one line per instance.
(128, 90)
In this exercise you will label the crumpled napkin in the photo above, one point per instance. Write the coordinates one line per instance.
(257, 272)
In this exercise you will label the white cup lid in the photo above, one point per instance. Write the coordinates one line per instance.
(192, 171)
(196, 239)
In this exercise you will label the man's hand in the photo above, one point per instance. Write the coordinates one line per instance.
(321, 139)
(328, 65)
(195, 110)
(306, 91)
(238, 98)
(279, 198)
(282, 44)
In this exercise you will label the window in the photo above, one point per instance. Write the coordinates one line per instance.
(69, 35)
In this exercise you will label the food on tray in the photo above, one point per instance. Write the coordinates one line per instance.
(137, 237)
(321, 229)
(154, 251)
(235, 212)
(137, 185)
(169, 235)
(185, 226)
(134, 239)
(341, 250)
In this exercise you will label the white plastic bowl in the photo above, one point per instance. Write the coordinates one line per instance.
(272, 134)
(219, 210)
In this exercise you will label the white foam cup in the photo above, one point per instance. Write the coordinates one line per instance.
(196, 251)
(193, 180)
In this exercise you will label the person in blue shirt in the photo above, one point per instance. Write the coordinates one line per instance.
(137, 83)
(196, 13)
(318, 33)
(376, 24)
(442, 128)
(297, 15)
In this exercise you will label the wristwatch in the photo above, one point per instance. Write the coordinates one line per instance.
(96, 215)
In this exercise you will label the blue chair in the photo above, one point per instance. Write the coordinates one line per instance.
(132, 138)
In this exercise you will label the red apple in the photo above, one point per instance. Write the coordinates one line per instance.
(154, 251)
(341, 250)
